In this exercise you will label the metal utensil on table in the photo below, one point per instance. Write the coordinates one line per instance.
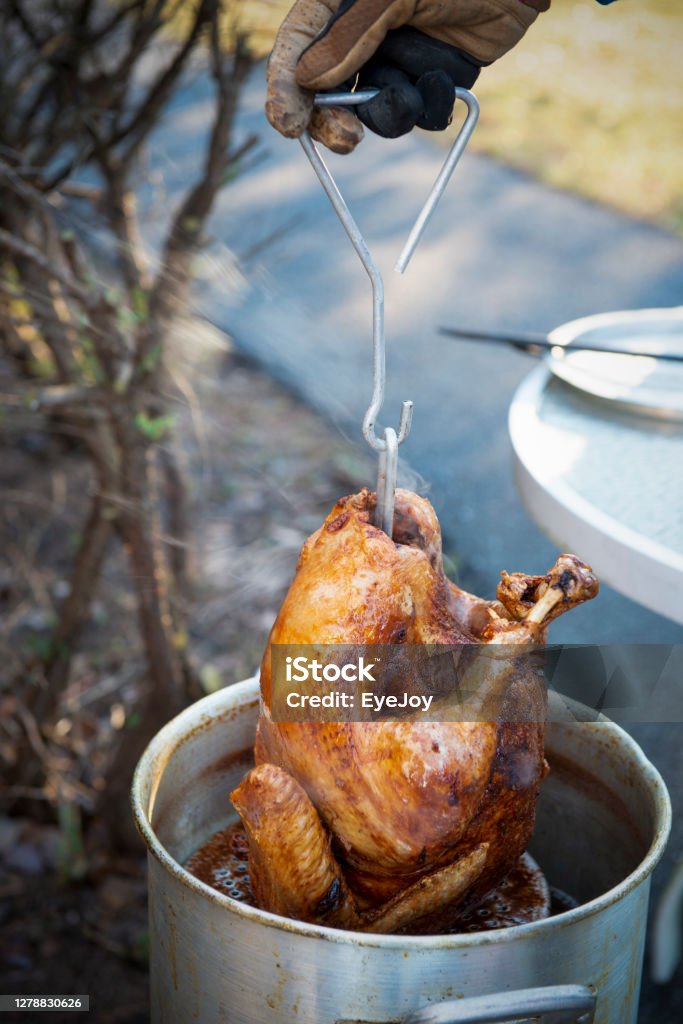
(539, 344)
(632, 359)
(386, 446)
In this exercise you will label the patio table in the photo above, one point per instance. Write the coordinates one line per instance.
(606, 482)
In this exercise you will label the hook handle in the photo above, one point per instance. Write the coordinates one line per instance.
(373, 272)
(354, 99)
(444, 176)
(387, 446)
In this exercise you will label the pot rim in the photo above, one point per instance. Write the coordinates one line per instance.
(209, 708)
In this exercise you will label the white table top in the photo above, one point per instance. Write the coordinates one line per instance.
(606, 482)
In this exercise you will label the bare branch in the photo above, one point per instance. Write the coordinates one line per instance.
(30, 194)
(52, 328)
(178, 515)
(185, 232)
(148, 111)
(236, 155)
(17, 10)
(142, 34)
(120, 204)
(118, 17)
(27, 251)
(68, 167)
(42, 307)
(58, 396)
(66, 397)
(78, 190)
(74, 612)
(150, 583)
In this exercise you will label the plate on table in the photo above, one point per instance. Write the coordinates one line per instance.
(641, 382)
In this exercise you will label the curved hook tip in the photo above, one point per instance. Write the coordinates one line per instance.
(406, 421)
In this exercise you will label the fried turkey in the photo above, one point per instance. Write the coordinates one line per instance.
(399, 825)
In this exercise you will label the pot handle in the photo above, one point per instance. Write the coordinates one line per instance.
(551, 1004)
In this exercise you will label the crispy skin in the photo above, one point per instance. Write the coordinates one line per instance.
(292, 870)
(354, 585)
(294, 873)
(403, 801)
(394, 795)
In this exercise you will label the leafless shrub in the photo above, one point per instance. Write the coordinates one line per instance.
(78, 95)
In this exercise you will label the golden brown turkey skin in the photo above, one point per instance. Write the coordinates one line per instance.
(294, 873)
(406, 799)
(354, 585)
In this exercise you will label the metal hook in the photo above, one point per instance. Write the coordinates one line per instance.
(387, 446)
(386, 482)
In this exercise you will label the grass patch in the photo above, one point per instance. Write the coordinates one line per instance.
(590, 101)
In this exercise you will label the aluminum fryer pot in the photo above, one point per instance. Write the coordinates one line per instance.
(602, 823)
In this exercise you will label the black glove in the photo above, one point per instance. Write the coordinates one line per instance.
(416, 75)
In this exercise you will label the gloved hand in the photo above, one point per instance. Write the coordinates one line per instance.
(414, 51)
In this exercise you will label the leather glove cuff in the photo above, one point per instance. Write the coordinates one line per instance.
(486, 29)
